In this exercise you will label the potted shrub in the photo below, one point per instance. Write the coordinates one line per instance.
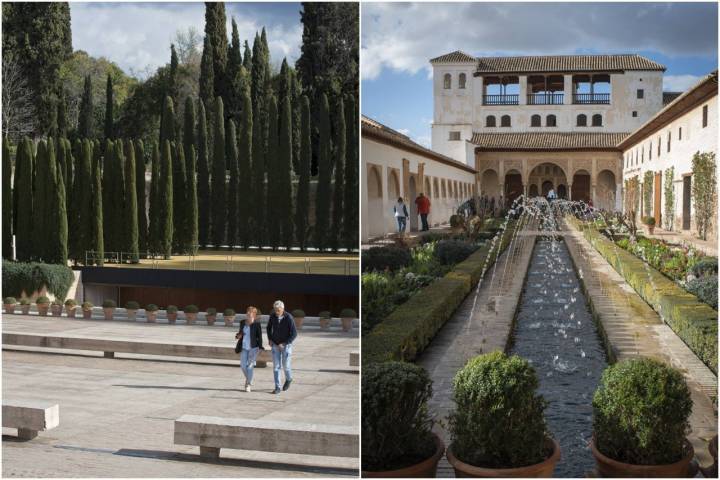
(640, 421)
(488, 391)
(457, 223)
(70, 307)
(229, 317)
(325, 317)
(172, 313)
(9, 304)
(299, 317)
(650, 222)
(151, 313)
(87, 309)
(43, 305)
(210, 315)
(56, 308)
(396, 427)
(191, 312)
(24, 306)
(132, 307)
(108, 307)
(346, 317)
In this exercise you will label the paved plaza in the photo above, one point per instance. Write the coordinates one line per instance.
(117, 414)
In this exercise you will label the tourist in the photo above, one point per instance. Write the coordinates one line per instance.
(401, 214)
(423, 206)
(281, 334)
(250, 336)
(551, 195)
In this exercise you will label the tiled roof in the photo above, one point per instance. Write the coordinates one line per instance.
(668, 97)
(553, 63)
(547, 140)
(378, 131)
(454, 57)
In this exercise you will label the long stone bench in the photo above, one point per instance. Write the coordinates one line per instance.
(354, 359)
(29, 417)
(213, 433)
(110, 347)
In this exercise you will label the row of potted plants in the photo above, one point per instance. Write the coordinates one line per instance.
(44, 306)
(641, 413)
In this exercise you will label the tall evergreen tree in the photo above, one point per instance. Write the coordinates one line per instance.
(109, 198)
(62, 156)
(97, 242)
(83, 218)
(203, 177)
(130, 210)
(247, 57)
(340, 152)
(207, 75)
(284, 172)
(167, 121)
(51, 213)
(188, 126)
(173, 87)
(272, 216)
(218, 210)
(62, 120)
(351, 225)
(216, 31)
(154, 212)
(303, 194)
(296, 94)
(323, 198)
(244, 170)
(109, 118)
(140, 195)
(233, 191)
(7, 198)
(257, 78)
(86, 127)
(180, 228)
(234, 76)
(257, 200)
(24, 202)
(191, 204)
(41, 192)
(165, 207)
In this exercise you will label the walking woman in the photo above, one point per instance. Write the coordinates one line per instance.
(251, 335)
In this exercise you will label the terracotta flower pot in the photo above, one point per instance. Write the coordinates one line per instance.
(25, 309)
(607, 467)
(43, 308)
(191, 317)
(9, 307)
(87, 314)
(150, 317)
(425, 469)
(346, 324)
(70, 310)
(543, 469)
(108, 313)
(211, 319)
(324, 323)
(299, 322)
(131, 314)
(172, 318)
(229, 320)
(56, 310)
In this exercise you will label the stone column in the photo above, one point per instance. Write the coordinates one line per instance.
(594, 195)
(618, 197)
(569, 187)
(523, 90)
(405, 178)
(421, 178)
(567, 90)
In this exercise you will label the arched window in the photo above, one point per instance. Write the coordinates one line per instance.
(535, 121)
(447, 81)
(582, 120)
(505, 121)
(551, 121)
(490, 121)
(461, 81)
(597, 120)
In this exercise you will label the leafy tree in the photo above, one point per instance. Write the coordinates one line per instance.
(351, 223)
(7, 199)
(130, 210)
(218, 211)
(303, 193)
(244, 169)
(272, 203)
(704, 191)
(284, 164)
(140, 195)
(24, 213)
(233, 192)
(340, 152)
(207, 75)
(323, 197)
(203, 177)
(86, 127)
(215, 30)
(97, 243)
(109, 119)
(165, 207)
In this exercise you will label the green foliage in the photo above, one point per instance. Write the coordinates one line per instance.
(87, 306)
(457, 221)
(648, 179)
(51, 210)
(81, 213)
(210, 311)
(298, 313)
(325, 314)
(389, 257)
(154, 210)
(215, 30)
(97, 242)
(323, 197)
(24, 201)
(191, 309)
(396, 424)
(640, 412)
(203, 175)
(340, 151)
(218, 210)
(7, 200)
(181, 227)
(706, 289)
(498, 420)
(350, 203)
(165, 207)
(140, 196)
(86, 120)
(19, 277)
(132, 305)
(284, 168)
(207, 75)
(704, 191)
(42, 300)
(70, 302)
(303, 192)
(130, 208)
(706, 266)
(259, 137)
(649, 221)
(233, 189)
(669, 194)
(171, 309)
(191, 212)
(109, 118)
(151, 307)
(107, 303)
(450, 252)
(229, 312)
(10, 301)
(245, 142)
(348, 313)
(272, 162)
(167, 121)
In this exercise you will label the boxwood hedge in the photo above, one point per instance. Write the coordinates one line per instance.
(28, 277)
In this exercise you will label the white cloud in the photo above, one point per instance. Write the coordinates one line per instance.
(679, 83)
(423, 140)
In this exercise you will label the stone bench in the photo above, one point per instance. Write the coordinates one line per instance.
(213, 433)
(110, 347)
(29, 417)
(354, 359)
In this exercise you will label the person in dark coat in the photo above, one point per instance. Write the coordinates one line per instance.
(250, 335)
(281, 333)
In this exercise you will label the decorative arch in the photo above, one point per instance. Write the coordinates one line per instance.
(535, 120)
(489, 183)
(393, 185)
(490, 121)
(582, 120)
(505, 121)
(606, 190)
(597, 120)
(436, 188)
(551, 121)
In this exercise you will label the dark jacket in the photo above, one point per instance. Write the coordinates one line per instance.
(255, 334)
(281, 332)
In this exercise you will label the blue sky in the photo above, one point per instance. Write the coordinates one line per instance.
(137, 36)
(399, 39)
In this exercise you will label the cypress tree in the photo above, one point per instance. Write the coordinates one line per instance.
(7, 198)
(188, 127)
(85, 119)
(59, 218)
(257, 199)
(266, 56)
(339, 144)
(323, 197)
(192, 201)
(62, 162)
(109, 122)
(296, 94)
(53, 208)
(351, 224)
(69, 172)
(207, 75)
(41, 191)
(173, 81)
(96, 232)
(167, 121)
(233, 192)
(62, 120)
(257, 79)
(218, 211)
(234, 76)
(75, 216)
(180, 228)
(247, 58)
(272, 218)
(109, 198)
(118, 178)
(284, 172)
(154, 230)
(216, 31)
(140, 195)
(244, 169)
(302, 204)
(130, 217)
(83, 204)
(24, 203)
(203, 177)
(165, 207)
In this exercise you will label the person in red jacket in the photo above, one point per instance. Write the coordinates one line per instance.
(423, 206)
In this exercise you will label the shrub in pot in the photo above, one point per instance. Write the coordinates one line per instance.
(132, 307)
(396, 427)
(151, 313)
(43, 305)
(347, 315)
(640, 421)
(172, 313)
(70, 307)
(24, 306)
(109, 307)
(299, 317)
(56, 307)
(87, 308)
(210, 315)
(325, 317)
(9, 304)
(229, 317)
(650, 222)
(191, 312)
(498, 427)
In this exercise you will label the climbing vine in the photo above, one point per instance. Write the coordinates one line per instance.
(647, 192)
(669, 192)
(632, 199)
(703, 191)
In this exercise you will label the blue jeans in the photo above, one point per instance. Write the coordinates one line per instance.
(401, 221)
(247, 363)
(281, 359)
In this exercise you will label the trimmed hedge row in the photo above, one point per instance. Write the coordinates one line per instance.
(693, 321)
(19, 277)
(410, 327)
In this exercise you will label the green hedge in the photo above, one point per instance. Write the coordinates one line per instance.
(410, 327)
(19, 277)
(693, 321)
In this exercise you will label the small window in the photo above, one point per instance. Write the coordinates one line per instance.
(535, 121)
(551, 121)
(597, 120)
(461, 81)
(668, 142)
(634, 113)
(490, 121)
(642, 155)
(679, 133)
(448, 80)
(505, 121)
(705, 116)
(659, 146)
(582, 120)
(640, 93)
(454, 135)
(650, 152)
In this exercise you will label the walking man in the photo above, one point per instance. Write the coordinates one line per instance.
(281, 334)
(423, 206)
(401, 214)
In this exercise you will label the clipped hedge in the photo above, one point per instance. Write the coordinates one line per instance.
(411, 326)
(693, 321)
(28, 277)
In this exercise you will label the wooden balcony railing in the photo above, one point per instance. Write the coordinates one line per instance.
(545, 98)
(591, 98)
(512, 99)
